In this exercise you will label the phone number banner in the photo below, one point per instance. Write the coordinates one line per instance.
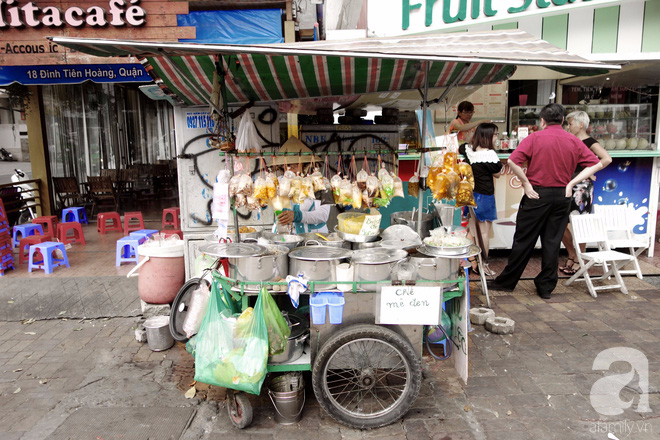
(73, 74)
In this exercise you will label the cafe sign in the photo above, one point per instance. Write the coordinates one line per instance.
(14, 14)
(403, 17)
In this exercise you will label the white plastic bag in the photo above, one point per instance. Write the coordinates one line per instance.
(199, 301)
(246, 135)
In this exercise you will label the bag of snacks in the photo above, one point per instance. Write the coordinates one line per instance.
(387, 183)
(346, 193)
(361, 178)
(357, 196)
(441, 187)
(449, 162)
(465, 170)
(296, 188)
(413, 186)
(373, 186)
(434, 170)
(271, 184)
(240, 201)
(454, 180)
(244, 185)
(317, 180)
(465, 197)
(398, 187)
(233, 185)
(307, 188)
(335, 183)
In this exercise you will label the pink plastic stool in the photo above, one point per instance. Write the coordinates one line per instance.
(101, 222)
(128, 216)
(48, 223)
(174, 222)
(64, 228)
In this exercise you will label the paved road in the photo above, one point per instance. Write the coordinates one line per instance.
(534, 384)
(7, 169)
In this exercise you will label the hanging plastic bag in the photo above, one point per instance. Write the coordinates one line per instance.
(199, 301)
(346, 193)
(317, 180)
(465, 196)
(357, 196)
(307, 191)
(230, 355)
(335, 183)
(398, 187)
(271, 185)
(244, 185)
(413, 185)
(247, 139)
(441, 187)
(452, 188)
(276, 325)
(373, 186)
(449, 163)
(434, 170)
(465, 170)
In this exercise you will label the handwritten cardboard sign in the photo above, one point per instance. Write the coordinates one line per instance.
(410, 305)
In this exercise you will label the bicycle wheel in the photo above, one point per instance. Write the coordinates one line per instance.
(366, 376)
(180, 309)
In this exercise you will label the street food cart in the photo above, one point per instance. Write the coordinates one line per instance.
(375, 390)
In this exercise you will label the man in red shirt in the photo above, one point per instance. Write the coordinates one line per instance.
(552, 156)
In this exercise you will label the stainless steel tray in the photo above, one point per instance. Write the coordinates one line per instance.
(438, 251)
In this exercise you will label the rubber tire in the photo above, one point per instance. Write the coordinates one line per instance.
(177, 318)
(241, 415)
(356, 332)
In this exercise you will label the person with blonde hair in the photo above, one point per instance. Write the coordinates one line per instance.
(583, 192)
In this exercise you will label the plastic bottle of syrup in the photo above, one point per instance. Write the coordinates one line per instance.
(504, 141)
(513, 141)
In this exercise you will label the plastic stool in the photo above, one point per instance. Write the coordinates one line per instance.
(77, 213)
(27, 242)
(101, 225)
(48, 262)
(175, 222)
(26, 230)
(128, 216)
(127, 250)
(64, 228)
(168, 232)
(143, 234)
(48, 223)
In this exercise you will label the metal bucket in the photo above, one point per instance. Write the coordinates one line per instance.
(407, 218)
(446, 213)
(287, 393)
(159, 337)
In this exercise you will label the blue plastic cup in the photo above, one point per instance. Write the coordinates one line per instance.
(317, 305)
(336, 303)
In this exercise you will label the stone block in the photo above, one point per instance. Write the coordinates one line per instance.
(500, 326)
(149, 310)
(479, 315)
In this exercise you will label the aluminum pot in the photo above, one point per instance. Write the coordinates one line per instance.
(317, 263)
(291, 241)
(296, 342)
(375, 265)
(272, 266)
(313, 239)
(434, 268)
(367, 245)
(406, 218)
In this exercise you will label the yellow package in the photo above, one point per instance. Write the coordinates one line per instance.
(449, 162)
(441, 187)
(454, 180)
(465, 170)
(465, 197)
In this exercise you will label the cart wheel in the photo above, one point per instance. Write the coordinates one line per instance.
(366, 376)
(180, 309)
(239, 409)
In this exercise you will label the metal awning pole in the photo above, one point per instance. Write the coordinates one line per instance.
(421, 156)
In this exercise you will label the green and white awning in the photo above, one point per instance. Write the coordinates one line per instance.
(294, 71)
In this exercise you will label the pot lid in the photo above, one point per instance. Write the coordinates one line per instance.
(400, 232)
(314, 253)
(234, 250)
(378, 256)
(400, 244)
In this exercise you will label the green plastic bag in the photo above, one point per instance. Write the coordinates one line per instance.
(227, 358)
(278, 329)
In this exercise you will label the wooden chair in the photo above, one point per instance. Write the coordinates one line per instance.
(102, 193)
(111, 173)
(590, 228)
(618, 224)
(127, 185)
(68, 192)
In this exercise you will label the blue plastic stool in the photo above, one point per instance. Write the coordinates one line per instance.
(127, 250)
(25, 230)
(48, 263)
(143, 234)
(77, 213)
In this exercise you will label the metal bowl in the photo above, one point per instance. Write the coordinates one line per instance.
(289, 240)
(357, 238)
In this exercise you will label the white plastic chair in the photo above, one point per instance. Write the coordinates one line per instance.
(589, 228)
(618, 224)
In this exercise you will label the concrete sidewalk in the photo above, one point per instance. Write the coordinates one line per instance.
(72, 378)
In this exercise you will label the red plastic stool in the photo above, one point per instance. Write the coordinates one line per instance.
(175, 222)
(48, 222)
(25, 243)
(128, 216)
(64, 228)
(101, 222)
(167, 232)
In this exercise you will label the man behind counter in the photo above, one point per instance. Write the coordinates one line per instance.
(552, 156)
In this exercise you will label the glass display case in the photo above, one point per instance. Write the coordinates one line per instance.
(615, 126)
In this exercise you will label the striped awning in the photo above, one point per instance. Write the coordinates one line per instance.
(294, 71)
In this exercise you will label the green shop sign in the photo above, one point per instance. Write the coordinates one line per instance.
(468, 12)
